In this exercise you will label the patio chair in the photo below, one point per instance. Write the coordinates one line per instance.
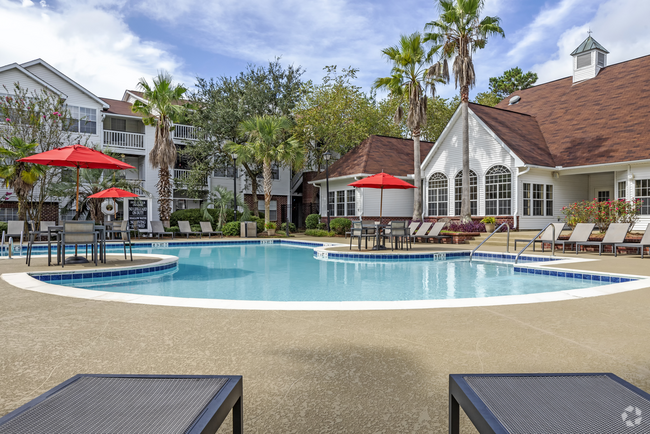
(359, 231)
(645, 242)
(422, 230)
(78, 232)
(158, 229)
(185, 229)
(15, 229)
(580, 233)
(434, 233)
(547, 236)
(32, 238)
(397, 232)
(615, 235)
(125, 235)
(206, 228)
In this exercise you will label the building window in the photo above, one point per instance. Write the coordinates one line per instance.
(224, 172)
(330, 203)
(584, 60)
(351, 202)
(549, 200)
(438, 194)
(82, 119)
(622, 187)
(7, 214)
(340, 203)
(603, 196)
(473, 192)
(498, 191)
(642, 193)
(273, 208)
(526, 199)
(538, 199)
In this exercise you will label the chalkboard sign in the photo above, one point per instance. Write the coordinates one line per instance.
(138, 214)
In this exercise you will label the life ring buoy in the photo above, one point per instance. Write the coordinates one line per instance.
(107, 207)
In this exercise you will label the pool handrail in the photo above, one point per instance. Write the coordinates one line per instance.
(488, 237)
(552, 241)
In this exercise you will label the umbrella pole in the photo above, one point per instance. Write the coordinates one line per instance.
(381, 204)
(77, 205)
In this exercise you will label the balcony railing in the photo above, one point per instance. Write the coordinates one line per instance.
(185, 132)
(183, 174)
(120, 139)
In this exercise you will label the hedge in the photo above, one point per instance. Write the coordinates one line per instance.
(231, 229)
(312, 220)
(340, 225)
(318, 233)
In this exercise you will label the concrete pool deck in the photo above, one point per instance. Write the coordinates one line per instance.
(325, 372)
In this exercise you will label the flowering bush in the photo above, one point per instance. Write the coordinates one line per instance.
(466, 227)
(602, 213)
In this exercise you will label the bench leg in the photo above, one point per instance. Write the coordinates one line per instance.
(238, 417)
(454, 415)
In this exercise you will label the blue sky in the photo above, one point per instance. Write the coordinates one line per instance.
(107, 45)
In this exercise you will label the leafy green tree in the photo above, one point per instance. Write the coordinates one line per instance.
(19, 176)
(458, 32)
(161, 111)
(221, 199)
(266, 144)
(336, 115)
(439, 114)
(487, 98)
(411, 77)
(511, 81)
(225, 103)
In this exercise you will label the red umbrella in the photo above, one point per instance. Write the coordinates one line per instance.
(76, 156)
(113, 192)
(382, 181)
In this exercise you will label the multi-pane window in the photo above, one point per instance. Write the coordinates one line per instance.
(7, 214)
(224, 172)
(82, 119)
(603, 196)
(340, 203)
(498, 191)
(642, 193)
(537, 199)
(622, 190)
(549, 200)
(331, 203)
(351, 202)
(273, 209)
(438, 194)
(526, 199)
(473, 192)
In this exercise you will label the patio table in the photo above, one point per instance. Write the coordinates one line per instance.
(548, 403)
(378, 229)
(161, 404)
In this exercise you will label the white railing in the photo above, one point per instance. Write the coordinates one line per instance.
(186, 132)
(121, 139)
(183, 174)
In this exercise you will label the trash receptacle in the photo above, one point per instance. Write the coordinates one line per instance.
(248, 230)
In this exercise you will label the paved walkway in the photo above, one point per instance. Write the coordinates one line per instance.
(324, 372)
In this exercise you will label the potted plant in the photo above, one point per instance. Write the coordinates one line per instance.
(489, 223)
(270, 228)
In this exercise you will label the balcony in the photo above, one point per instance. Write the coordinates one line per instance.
(120, 139)
(182, 174)
(185, 132)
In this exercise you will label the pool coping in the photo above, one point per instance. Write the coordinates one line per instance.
(26, 281)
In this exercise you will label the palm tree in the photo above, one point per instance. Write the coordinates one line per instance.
(459, 32)
(411, 77)
(266, 144)
(161, 111)
(221, 200)
(20, 177)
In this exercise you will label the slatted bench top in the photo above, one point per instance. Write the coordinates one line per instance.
(549, 403)
(127, 404)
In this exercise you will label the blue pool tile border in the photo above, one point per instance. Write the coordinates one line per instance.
(99, 274)
(572, 275)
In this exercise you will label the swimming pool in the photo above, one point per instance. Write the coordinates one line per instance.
(277, 272)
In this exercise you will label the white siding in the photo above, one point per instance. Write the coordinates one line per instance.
(11, 76)
(75, 96)
(484, 151)
(588, 71)
(602, 181)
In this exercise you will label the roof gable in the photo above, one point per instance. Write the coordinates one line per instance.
(121, 108)
(33, 77)
(588, 45)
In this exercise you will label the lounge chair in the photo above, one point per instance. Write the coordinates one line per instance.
(547, 236)
(422, 230)
(581, 233)
(412, 227)
(645, 242)
(185, 229)
(157, 229)
(434, 233)
(358, 230)
(206, 228)
(615, 235)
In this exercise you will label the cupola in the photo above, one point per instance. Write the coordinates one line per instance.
(588, 59)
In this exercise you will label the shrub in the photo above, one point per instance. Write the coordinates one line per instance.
(318, 233)
(466, 227)
(602, 213)
(195, 228)
(312, 221)
(340, 225)
(174, 229)
(3, 227)
(270, 226)
(230, 229)
(321, 226)
(489, 220)
(292, 227)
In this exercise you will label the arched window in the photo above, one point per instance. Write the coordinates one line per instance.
(498, 191)
(473, 192)
(438, 194)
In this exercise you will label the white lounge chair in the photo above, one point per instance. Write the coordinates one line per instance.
(645, 242)
(580, 233)
(615, 235)
(206, 228)
(547, 236)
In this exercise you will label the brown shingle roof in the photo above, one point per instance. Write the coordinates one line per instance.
(376, 154)
(520, 132)
(596, 121)
(118, 107)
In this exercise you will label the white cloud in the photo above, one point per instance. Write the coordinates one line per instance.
(621, 26)
(88, 42)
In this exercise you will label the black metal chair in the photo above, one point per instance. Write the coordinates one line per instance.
(397, 233)
(76, 233)
(32, 238)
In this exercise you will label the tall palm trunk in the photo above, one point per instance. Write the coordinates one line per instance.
(164, 186)
(465, 210)
(417, 193)
(268, 188)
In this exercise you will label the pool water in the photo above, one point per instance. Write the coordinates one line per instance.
(286, 273)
